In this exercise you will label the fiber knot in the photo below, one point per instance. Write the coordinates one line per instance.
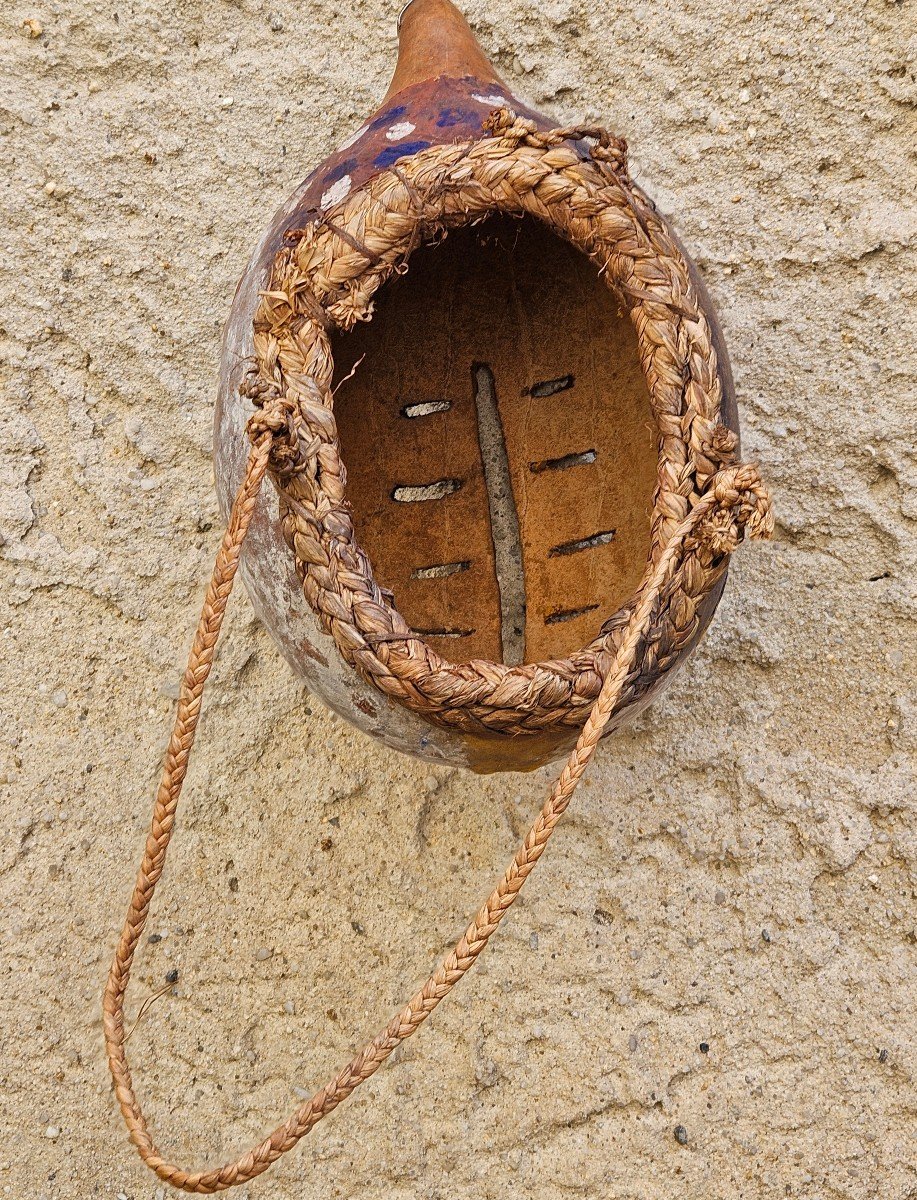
(275, 420)
(609, 148)
(504, 123)
(724, 443)
(742, 508)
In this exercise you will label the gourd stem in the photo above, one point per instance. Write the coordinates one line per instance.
(434, 39)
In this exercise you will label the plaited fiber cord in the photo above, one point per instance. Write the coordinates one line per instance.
(705, 503)
(735, 504)
(575, 181)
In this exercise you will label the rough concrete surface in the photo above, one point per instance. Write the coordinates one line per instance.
(723, 935)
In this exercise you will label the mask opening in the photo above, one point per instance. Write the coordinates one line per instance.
(500, 448)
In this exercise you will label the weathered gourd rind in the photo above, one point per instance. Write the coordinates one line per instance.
(432, 112)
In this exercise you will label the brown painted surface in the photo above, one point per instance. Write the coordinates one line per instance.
(435, 39)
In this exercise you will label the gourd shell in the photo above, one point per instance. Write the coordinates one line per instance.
(442, 108)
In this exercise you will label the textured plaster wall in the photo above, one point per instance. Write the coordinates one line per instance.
(738, 871)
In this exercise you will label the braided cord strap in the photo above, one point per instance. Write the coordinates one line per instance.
(735, 504)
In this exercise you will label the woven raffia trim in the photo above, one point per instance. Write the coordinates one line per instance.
(327, 276)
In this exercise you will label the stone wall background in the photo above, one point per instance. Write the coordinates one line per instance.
(739, 869)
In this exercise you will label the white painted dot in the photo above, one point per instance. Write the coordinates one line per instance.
(336, 192)
(400, 130)
(490, 101)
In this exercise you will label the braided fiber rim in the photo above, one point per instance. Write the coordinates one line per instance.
(326, 276)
